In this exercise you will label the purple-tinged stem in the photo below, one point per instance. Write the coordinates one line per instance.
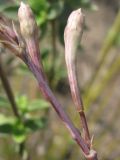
(47, 93)
(77, 98)
(49, 96)
(8, 91)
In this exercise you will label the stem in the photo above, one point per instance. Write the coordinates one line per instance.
(21, 149)
(8, 91)
(47, 93)
(76, 96)
(22, 152)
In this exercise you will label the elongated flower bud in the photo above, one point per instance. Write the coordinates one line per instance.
(27, 21)
(73, 32)
(29, 31)
(72, 37)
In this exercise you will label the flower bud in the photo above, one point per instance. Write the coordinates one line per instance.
(29, 31)
(27, 21)
(73, 31)
(72, 37)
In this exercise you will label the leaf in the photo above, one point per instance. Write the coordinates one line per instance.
(6, 128)
(38, 104)
(6, 119)
(41, 18)
(39, 5)
(40, 8)
(22, 102)
(35, 124)
(3, 102)
(55, 10)
(19, 132)
(19, 137)
(28, 106)
(6, 124)
(14, 127)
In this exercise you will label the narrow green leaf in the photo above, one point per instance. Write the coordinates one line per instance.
(6, 119)
(35, 124)
(19, 132)
(22, 102)
(6, 124)
(38, 104)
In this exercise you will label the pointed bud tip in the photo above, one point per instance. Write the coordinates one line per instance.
(24, 7)
(76, 19)
(80, 10)
(74, 29)
(22, 4)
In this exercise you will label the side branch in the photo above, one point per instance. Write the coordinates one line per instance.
(8, 91)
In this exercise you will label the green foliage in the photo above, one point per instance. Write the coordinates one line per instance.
(34, 124)
(22, 102)
(18, 129)
(27, 123)
(6, 124)
(40, 9)
(46, 10)
(26, 106)
(38, 105)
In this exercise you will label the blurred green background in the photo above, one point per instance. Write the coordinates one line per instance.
(43, 135)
